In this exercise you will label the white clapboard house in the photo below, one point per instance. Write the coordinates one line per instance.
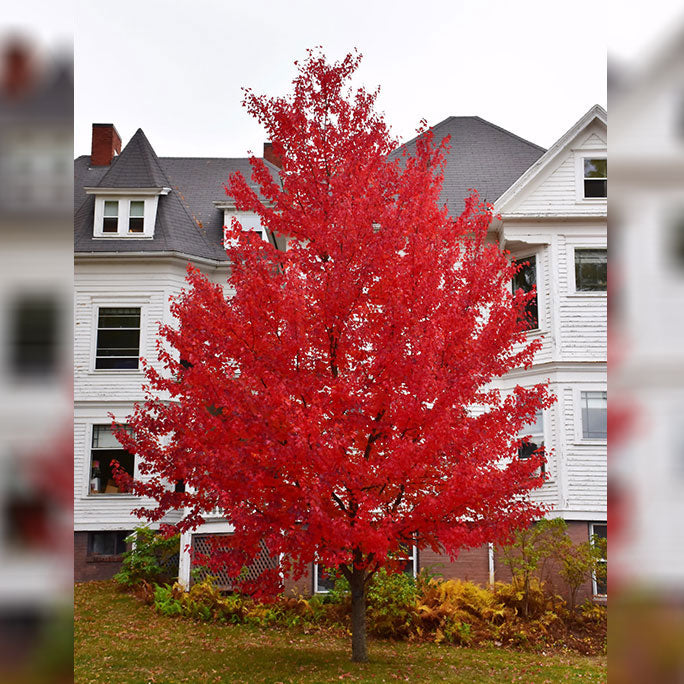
(141, 218)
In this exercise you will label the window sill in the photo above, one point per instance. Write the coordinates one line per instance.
(112, 495)
(591, 442)
(588, 293)
(123, 236)
(104, 559)
(115, 371)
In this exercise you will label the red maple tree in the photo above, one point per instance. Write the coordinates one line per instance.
(341, 401)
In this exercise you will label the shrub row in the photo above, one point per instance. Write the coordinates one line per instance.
(399, 607)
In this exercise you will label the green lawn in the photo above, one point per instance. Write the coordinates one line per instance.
(117, 639)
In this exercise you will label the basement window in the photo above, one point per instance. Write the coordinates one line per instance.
(102, 544)
(600, 585)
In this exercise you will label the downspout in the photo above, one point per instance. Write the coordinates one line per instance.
(491, 563)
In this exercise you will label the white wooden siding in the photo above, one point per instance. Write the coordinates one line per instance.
(148, 283)
(555, 190)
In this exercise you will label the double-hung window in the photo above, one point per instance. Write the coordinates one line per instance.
(118, 338)
(136, 216)
(595, 178)
(105, 449)
(110, 219)
(34, 336)
(534, 438)
(591, 270)
(594, 415)
(526, 279)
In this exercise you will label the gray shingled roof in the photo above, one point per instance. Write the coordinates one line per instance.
(481, 156)
(187, 220)
(136, 167)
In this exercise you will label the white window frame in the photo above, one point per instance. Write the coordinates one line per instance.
(587, 243)
(580, 156)
(413, 558)
(580, 439)
(247, 220)
(547, 463)
(594, 586)
(96, 303)
(128, 223)
(88, 466)
(539, 274)
(124, 210)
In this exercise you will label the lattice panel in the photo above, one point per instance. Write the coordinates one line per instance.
(201, 543)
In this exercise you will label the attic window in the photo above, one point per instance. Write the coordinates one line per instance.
(595, 178)
(130, 215)
(136, 217)
(110, 221)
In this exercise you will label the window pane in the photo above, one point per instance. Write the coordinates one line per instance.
(591, 269)
(594, 415)
(118, 318)
(596, 168)
(118, 338)
(34, 336)
(136, 225)
(136, 220)
(595, 188)
(101, 472)
(104, 438)
(107, 543)
(525, 279)
(324, 581)
(111, 208)
(110, 225)
(117, 363)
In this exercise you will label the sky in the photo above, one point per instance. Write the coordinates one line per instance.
(176, 67)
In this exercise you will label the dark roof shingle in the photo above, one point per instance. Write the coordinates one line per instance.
(482, 156)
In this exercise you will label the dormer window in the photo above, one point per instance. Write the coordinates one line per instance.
(110, 220)
(125, 213)
(136, 216)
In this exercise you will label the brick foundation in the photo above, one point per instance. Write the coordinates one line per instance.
(88, 568)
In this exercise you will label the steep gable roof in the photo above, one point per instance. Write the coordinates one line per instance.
(188, 222)
(482, 156)
(549, 157)
(136, 167)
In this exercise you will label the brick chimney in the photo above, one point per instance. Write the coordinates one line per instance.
(19, 74)
(270, 155)
(106, 144)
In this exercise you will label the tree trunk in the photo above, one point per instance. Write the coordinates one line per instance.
(358, 616)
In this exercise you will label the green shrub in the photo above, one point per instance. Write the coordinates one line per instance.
(149, 558)
(391, 604)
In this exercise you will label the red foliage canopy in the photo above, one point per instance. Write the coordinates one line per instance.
(343, 400)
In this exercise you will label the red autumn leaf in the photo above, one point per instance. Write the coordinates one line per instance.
(342, 400)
